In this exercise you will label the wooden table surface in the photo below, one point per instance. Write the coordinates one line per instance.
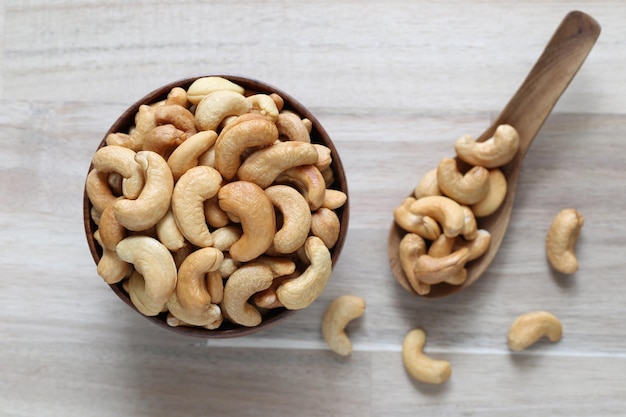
(394, 84)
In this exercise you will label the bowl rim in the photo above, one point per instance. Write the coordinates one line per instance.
(251, 85)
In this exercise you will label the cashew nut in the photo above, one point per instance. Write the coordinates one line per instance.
(215, 216)
(561, 240)
(98, 190)
(155, 282)
(300, 292)
(121, 160)
(325, 224)
(309, 181)
(412, 246)
(111, 268)
(444, 210)
(255, 211)
(427, 185)
(192, 289)
(264, 104)
(154, 200)
(425, 226)
(441, 246)
(231, 143)
(420, 366)
(178, 116)
(333, 199)
(495, 196)
(477, 246)
(339, 313)
(186, 155)
(211, 317)
(468, 188)
(470, 228)
(168, 233)
(192, 189)
(144, 122)
(207, 85)
(215, 286)
(296, 218)
(494, 152)
(216, 106)
(163, 140)
(290, 125)
(224, 237)
(240, 286)
(530, 327)
(263, 166)
(431, 270)
(324, 157)
(177, 95)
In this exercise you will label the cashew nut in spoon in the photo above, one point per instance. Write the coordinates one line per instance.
(427, 185)
(411, 247)
(444, 210)
(339, 313)
(431, 270)
(425, 226)
(494, 152)
(121, 160)
(494, 197)
(468, 188)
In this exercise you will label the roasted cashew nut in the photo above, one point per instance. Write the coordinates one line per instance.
(427, 185)
(263, 166)
(110, 267)
(240, 286)
(216, 106)
(163, 140)
(339, 313)
(249, 203)
(309, 181)
(98, 190)
(121, 160)
(192, 189)
(495, 196)
(333, 199)
(528, 328)
(211, 317)
(494, 152)
(178, 116)
(232, 142)
(470, 228)
(145, 121)
(157, 273)
(477, 246)
(264, 105)
(224, 237)
(561, 240)
(324, 157)
(431, 270)
(444, 210)
(300, 292)
(425, 226)
(412, 246)
(192, 288)
(420, 366)
(168, 232)
(207, 85)
(291, 126)
(154, 200)
(296, 218)
(325, 224)
(186, 155)
(468, 188)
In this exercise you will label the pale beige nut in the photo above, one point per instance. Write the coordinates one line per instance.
(425, 226)
(163, 140)
(145, 121)
(431, 270)
(231, 143)
(249, 203)
(154, 200)
(210, 318)
(224, 237)
(339, 313)
(264, 105)
(121, 160)
(300, 292)
(427, 185)
(264, 165)
(156, 280)
(470, 226)
(477, 246)
(242, 284)
(215, 286)
(324, 157)
(177, 95)
(528, 328)
(447, 212)
(309, 181)
(495, 196)
(178, 116)
(168, 232)
(267, 299)
(187, 154)
(191, 288)
(561, 240)
(121, 139)
(207, 85)
(468, 188)
(291, 126)
(333, 199)
(411, 247)
(420, 366)
(192, 189)
(441, 246)
(495, 152)
(110, 267)
(326, 225)
(98, 190)
(216, 106)
(229, 265)
(278, 101)
(296, 218)
(215, 216)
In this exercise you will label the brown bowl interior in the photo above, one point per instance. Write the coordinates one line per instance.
(318, 135)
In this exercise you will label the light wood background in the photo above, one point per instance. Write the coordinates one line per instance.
(394, 83)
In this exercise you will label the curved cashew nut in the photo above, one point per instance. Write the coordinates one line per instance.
(207, 85)
(192, 189)
(444, 210)
(154, 200)
(186, 155)
(215, 216)
(291, 126)
(263, 166)
(168, 232)
(98, 190)
(144, 122)
(468, 188)
(240, 286)
(420, 366)
(296, 218)
(425, 226)
(178, 116)
(232, 142)
(442, 246)
(333, 199)
(494, 152)
(121, 160)
(412, 246)
(530, 327)
(163, 140)
(339, 313)
(216, 106)
(477, 246)
(495, 196)
(191, 288)
(309, 181)
(427, 185)
(156, 282)
(470, 227)
(561, 240)
(325, 224)
(250, 204)
(215, 286)
(177, 95)
(264, 104)
(431, 270)
(211, 317)
(280, 267)
(224, 237)
(300, 292)
(324, 156)
(111, 268)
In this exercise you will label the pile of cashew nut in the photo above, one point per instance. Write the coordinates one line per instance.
(215, 206)
(440, 218)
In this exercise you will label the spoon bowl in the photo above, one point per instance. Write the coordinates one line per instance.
(526, 112)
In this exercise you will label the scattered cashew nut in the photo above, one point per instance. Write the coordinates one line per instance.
(494, 152)
(339, 313)
(561, 240)
(420, 366)
(528, 328)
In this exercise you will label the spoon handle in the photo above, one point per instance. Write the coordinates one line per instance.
(547, 80)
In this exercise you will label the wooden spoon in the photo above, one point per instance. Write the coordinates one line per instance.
(526, 111)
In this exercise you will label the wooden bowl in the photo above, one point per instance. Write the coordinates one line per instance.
(318, 135)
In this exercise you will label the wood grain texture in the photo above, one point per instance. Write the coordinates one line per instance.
(394, 85)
